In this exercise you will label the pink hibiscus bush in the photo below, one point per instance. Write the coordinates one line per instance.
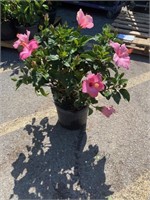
(77, 73)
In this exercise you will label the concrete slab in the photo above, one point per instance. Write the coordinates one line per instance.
(46, 161)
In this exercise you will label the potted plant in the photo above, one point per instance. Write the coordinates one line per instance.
(28, 14)
(62, 59)
(8, 31)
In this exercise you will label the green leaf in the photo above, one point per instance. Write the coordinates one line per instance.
(43, 92)
(46, 76)
(125, 94)
(14, 79)
(98, 108)
(37, 4)
(121, 75)
(26, 9)
(90, 111)
(53, 57)
(117, 97)
(95, 67)
(19, 82)
(66, 64)
(107, 94)
(76, 42)
(123, 81)
(94, 101)
(45, 6)
(89, 56)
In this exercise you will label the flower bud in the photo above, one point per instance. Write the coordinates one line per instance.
(33, 63)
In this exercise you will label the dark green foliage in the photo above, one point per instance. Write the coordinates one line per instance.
(64, 58)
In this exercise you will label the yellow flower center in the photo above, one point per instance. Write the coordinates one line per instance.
(24, 44)
(96, 85)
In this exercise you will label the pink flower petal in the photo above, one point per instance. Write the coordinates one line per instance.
(93, 92)
(80, 15)
(107, 110)
(92, 84)
(89, 21)
(114, 45)
(124, 50)
(84, 21)
(16, 44)
(115, 58)
(23, 39)
(28, 34)
(33, 45)
(121, 57)
(84, 86)
(25, 53)
(124, 62)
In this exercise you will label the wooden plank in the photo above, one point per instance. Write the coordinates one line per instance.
(136, 33)
(8, 44)
(129, 27)
(133, 20)
(139, 42)
(136, 16)
(136, 24)
(132, 23)
(141, 6)
(138, 13)
(138, 50)
(133, 16)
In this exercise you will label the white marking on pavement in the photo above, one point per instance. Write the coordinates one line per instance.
(16, 124)
(5, 70)
(136, 190)
(138, 80)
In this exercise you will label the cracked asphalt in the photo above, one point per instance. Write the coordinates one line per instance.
(41, 160)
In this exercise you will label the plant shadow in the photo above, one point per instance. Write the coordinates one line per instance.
(9, 58)
(56, 167)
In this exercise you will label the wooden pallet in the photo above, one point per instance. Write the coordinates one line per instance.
(9, 43)
(136, 24)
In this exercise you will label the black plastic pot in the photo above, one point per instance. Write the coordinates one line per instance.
(8, 31)
(72, 120)
(33, 30)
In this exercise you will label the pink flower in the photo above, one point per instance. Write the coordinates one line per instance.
(92, 84)
(23, 40)
(28, 49)
(121, 56)
(84, 21)
(107, 110)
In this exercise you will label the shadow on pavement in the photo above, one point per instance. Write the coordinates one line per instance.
(56, 167)
(139, 58)
(9, 58)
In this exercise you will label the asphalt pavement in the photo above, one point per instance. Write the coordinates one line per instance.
(41, 160)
